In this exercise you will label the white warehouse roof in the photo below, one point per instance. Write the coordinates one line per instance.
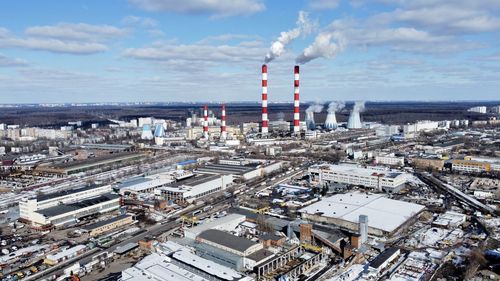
(383, 213)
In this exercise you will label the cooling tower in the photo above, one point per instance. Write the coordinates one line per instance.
(354, 121)
(331, 121)
(311, 125)
(146, 132)
(159, 130)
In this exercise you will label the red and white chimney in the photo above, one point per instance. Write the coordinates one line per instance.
(296, 101)
(265, 120)
(205, 121)
(223, 132)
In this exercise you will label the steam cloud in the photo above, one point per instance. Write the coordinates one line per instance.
(359, 106)
(326, 45)
(314, 108)
(335, 106)
(304, 27)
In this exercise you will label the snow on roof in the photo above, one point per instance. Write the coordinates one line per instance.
(219, 223)
(207, 266)
(66, 253)
(158, 267)
(361, 171)
(383, 213)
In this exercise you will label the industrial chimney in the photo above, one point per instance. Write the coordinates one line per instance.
(223, 133)
(205, 121)
(296, 101)
(265, 120)
(363, 228)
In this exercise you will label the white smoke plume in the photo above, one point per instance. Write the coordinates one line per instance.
(335, 106)
(359, 106)
(304, 27)
(326, 45)
(314, 108)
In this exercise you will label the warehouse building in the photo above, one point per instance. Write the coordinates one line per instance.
(228, 242)
(178, 263)
(379, 179)
(245, 169)
(191, 189)
(385, 216)
(80, 166)
(70, 213)
(101, 227)
(226, 223)
(28, 207)
(65, 254)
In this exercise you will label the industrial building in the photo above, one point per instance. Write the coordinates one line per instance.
(75, 167)
(226, 223)
(108, 225)
(385, 216)
(193, 188)
(379, 179)
(70, 213)
(248, 171)
(390, 160)
(173, 262)
(228, 242)
(28, 207)
(143, 184)
(473, 166)
(64, 254)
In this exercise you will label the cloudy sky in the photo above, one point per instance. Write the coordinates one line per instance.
(212, 50)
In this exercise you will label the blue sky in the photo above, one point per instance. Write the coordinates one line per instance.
(198, 50)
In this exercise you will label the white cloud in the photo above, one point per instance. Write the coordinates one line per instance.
(139, 21)
(52, 45)
(323, 4)
(63, 38)
(77, 32)
(11, 62)
(448, 17)
(217, 8)
(196, 53)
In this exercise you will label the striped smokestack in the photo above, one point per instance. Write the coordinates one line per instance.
(265, 121)
(223, 132)
(205, 121)
(296, 101)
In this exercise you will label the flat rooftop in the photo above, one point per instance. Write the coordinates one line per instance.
(360, 171)
(382, 257)
(227, 240)
(383, 213)
(66, 208)
(194, 181)
(105, 222)
(225, 169)
(80, 164)
(47, 196)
